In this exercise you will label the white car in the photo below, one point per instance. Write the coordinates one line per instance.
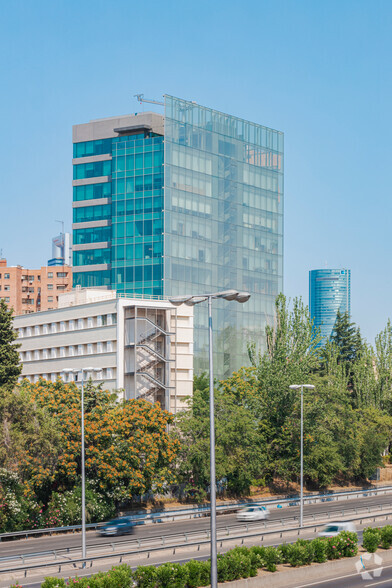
(253, 513)
(333, 529)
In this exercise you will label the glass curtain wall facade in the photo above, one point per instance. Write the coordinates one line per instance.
(186, 203)
(329, 292)
(128, 200)
(223, 224)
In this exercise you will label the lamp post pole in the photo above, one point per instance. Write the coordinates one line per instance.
(83, 478)
(83, 471)
(301, 501)
(192, 301)
(301, 514)
(214, 563)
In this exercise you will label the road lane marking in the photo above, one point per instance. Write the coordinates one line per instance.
(378, 583)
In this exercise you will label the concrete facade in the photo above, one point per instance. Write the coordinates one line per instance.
(144, 347)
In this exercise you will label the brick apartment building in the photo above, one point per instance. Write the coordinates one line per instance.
(28, 290)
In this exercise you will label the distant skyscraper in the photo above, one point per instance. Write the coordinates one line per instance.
(61, 250)
(329, 291)
(185, 203)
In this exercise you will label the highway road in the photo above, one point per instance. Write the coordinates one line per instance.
(63, 541)
(353, 580)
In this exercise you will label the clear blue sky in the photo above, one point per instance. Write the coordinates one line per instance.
(319, 71)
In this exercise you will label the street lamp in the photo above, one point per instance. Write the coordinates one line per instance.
(191, 301)
(296, 387)
(82, 371)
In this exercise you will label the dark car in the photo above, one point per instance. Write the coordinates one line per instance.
(119, 526)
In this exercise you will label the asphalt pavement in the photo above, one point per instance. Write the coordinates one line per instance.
(64, 541)
(370, 578)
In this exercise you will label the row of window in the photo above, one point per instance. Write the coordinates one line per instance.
(139, 183)
(69, 351)
(146, 160)
(138, 228)
(100, 320)
(92, 213)
(92, 235)
(134, 206)
(92, 191)
(105, 374)
(7, 288)
(92, 170)
(31, 278)
(104, 146)
(91, 257)
(139, 146)
(137, 251)
(139, 274)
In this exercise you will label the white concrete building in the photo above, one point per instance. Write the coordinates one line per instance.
(144, 347)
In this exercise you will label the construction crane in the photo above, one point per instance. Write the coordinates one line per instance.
(140, 98)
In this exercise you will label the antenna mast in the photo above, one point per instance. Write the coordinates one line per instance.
(62, 226)
(140, 98)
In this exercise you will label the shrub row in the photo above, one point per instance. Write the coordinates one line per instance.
(373, 538)
(241, 562)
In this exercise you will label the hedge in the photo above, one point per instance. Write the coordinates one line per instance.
(240, 562)
(376, 537)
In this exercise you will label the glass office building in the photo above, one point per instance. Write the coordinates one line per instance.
(329, 292)
(185, 203)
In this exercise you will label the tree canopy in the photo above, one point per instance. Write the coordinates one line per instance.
(10, 368)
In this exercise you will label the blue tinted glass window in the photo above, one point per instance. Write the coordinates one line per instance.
(92, 191)
(91, 213)
(91, 257)
(92, 235)
(91, 279)
(92, 170)
(88, 148)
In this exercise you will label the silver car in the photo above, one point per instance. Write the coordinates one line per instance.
(253, 513)
(333, 529)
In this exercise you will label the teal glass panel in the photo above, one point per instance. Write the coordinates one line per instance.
(92, 170)
(88, 148)
(91, 257)
(91, 279)
(137, 244)
(91, 213)
(223, 224)
(92, 191)
(92, 235)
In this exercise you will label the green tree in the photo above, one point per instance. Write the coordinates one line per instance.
(239, 447)
(347, 338)
(30, 442)
(10, 367)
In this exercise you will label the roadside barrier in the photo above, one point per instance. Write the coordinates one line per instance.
(204, 511)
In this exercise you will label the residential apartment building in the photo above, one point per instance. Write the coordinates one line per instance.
(329, 292)
(27, 290)
(144, 348)
(187, 202)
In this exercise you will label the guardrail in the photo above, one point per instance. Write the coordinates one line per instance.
(148, 550)
(200, 511)
(227, 530)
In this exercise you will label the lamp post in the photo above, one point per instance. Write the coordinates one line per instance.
(191, 301)
(301, 504)
(82, 371)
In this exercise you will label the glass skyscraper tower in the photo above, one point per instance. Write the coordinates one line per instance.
(329, 292)
(184, 203)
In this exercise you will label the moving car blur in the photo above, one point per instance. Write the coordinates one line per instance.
(253, 513)
(119, 526)
(333, 529)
